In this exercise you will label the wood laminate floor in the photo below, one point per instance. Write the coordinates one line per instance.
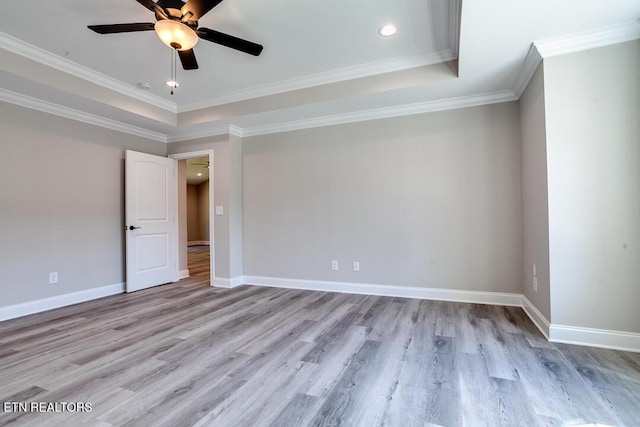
(188, 354)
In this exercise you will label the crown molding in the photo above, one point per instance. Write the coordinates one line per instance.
(334, 76)
(577, 42)
(383, 113)
(42, 56)
(81, 116)
(569, 44)
(358, 116)
(529, 67)
(208, 131)
(236, 131)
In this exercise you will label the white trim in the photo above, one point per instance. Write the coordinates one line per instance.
(536, 317)
(81, 116)
(385, 112)
(183, 274)
(328, 77)
(236, 131)
(602, 338)
(42, 56)
(225, 282)
(357, 116)
(352, 117)
(615, 340)
(477, 297)
(208, 131)
(38, 306)
(191, 154)
(198, 243)
(528, 69)
(236, 281)
(577, 42)
(221, 282)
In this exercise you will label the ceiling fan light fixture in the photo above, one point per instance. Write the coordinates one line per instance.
(172, 84)
(175, 34)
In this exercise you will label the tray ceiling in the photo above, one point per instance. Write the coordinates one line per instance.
(320, 59)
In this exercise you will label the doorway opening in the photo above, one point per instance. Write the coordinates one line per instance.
(196, 245)
(197, 194)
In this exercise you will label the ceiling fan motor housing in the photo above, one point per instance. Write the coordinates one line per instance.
(176, 15)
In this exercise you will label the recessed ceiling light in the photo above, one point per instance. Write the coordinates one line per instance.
(387, 30)
(144, 85)
(199, 173)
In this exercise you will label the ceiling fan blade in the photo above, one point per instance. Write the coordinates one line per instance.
(121, 28)
(197, 8)
(230, 41)
(149, 4)
(188, 59)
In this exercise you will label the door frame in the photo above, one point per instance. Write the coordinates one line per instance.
(209, 154)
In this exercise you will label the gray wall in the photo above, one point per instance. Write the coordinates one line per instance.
(593, 144)
(198, 212)
(193, 208)
(431, 200)
(236, 206)
(535, 218)
(203, 211)
(62, 204)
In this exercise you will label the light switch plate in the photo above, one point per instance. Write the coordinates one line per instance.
(219, 210)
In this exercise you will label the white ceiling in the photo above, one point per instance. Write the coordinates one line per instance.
(322, 61)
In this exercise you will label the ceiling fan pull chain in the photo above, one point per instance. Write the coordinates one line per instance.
(173, 69)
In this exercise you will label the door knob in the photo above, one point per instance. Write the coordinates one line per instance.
(131, 227)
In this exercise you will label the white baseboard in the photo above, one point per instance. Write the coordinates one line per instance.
(615, 340)
(556, 333)
(536, 317)
(198, 243)
(221, 282)
(225, 282)
(31, 307)
(183, 274)
(237, 281)
(491, 298)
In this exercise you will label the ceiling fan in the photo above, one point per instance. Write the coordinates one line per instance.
(177, 27)
(204, 165)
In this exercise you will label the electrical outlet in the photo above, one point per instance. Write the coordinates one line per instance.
(534, 283)
(53, 278)
(356, 266)
(334, 265)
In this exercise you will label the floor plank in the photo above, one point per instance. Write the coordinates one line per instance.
(188, 354)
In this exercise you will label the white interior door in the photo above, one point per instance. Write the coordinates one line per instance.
(151, 229)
